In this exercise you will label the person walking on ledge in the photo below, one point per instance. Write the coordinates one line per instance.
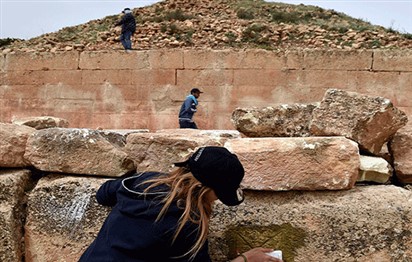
(165, 217)
(128, 23)
(188, 109)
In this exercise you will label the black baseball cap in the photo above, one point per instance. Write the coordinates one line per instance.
(195, 90)
(219, 169)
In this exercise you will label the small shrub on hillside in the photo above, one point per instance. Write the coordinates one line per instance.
(285, 17)
(178, 15)
(231, 37)
(408, 36)
(6, 41)
(246, 14)
(252, 34)
(170, 29)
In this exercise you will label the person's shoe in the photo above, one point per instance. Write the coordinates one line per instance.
(128, 51)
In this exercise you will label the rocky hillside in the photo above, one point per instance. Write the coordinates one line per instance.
(220, 24)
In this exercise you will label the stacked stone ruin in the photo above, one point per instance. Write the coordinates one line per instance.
(324, 182)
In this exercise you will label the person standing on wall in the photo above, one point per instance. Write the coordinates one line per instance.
(188, 109)
(128, 23)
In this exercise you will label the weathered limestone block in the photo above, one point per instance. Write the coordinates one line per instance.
(41, 122)
(63, 218)
(158, 151)
(279, 121)
(104, 60)
(77, 151)
(401, 150)
(346, 225)
(392, 60)
(370, 121)
(311, 163)
(13, 185)
(374, 169)
(13, 140)
(340, 60)
(42, 61)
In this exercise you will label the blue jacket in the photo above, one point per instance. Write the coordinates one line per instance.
(188, 108)
(130, 232)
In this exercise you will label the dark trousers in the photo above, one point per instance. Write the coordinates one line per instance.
(125, 39)
(187, 124)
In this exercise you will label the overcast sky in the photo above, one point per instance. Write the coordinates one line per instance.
(30, 18)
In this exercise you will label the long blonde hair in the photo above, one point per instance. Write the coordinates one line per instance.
(197, 207)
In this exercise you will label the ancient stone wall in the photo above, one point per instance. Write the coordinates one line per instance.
(144, 89)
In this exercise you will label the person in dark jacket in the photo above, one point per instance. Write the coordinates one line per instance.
(128, 23)
(165, 217)
(188, 109)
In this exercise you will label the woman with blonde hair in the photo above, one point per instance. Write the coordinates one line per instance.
(165, 217)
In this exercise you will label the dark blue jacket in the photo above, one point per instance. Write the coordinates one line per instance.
(130, 232)
(128, 23)
(188, 108)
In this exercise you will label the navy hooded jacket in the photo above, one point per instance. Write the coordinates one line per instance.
(128, 23)
(130, 232)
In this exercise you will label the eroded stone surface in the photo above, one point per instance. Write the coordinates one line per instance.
(281, 121)
(13, 185)
(63, 218)
(77, 151)
(41, 122)
(13, 140)
(311, 163)
(401, 150)
(158, 151)
(348, 225)
(370, 121)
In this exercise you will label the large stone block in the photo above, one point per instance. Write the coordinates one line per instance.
(392, 60)
(311, 163)
(13, 139)
(401, 150)
(117, 60)
(13, 186)
(41, 122)
(63, 218)
(165, 59)
(154, 77)
(226, 59)
(337, 60)
(42, 61)
(259, 77)
(77, 151)
(348, 225)
(368, 120)
(205, 77)
(158, 151)
(384, 84)
(281, 121)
